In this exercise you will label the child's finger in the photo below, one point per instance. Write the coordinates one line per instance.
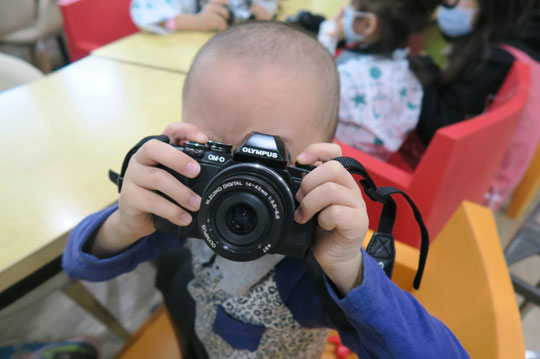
(351, 223)
(329, 193)
(151, 202)
(157, 179)
(219, 2)
(181, 131)
(156, 152)
(219, 10)
(319, 152)
(331, 171)
(340, 14)
(217, 23)
(260, 13)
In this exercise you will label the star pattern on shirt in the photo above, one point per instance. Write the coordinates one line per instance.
(359, 99)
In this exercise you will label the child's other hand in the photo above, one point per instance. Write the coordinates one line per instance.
(331, 191)
(213, 16)
(138, 198)
(339, 32)
(260, 13)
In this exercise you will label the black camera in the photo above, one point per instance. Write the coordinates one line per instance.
(248, 199)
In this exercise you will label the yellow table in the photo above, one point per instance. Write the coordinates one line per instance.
(327, 8)
(175, 52)
(60, 135)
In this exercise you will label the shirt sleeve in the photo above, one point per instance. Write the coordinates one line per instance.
(390, 323)
(79, 264)
(467, 96)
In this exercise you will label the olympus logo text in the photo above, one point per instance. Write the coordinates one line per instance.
(255, 151)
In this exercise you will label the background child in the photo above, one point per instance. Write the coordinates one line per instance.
(381, 95)
(478, 63)
(270, 78)
(486, 37)
(162, 16)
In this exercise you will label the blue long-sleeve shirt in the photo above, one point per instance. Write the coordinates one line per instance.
(388, 322)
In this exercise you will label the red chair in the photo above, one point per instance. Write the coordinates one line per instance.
(458, 164)
(90, 24)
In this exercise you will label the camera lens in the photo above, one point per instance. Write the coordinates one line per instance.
(245, 212)
(241, 219)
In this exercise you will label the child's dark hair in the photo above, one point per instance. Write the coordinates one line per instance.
(397, 21)
(496, 20)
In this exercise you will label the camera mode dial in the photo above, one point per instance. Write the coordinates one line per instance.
(195, 149)
(219, 147)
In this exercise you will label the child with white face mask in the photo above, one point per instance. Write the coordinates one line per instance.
(381, 96)
(486, 37)
(458, 20)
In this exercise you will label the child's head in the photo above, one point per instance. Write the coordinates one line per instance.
(474, 26)
(386, 25)
(266, 77)
(492, 17)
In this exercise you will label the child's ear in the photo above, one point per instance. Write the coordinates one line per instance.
(370, 25)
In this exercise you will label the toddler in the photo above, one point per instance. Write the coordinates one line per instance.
(270, 78)
(381, 96)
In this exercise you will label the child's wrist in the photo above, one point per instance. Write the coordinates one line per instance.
(347, 274)
(113, 237)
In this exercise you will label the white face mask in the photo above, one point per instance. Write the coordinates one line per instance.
(351, 37)
(456, 21)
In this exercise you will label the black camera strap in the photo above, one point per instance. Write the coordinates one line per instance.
(381, 246)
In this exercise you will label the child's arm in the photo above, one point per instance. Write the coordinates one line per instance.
(161, 16)
(126, 229)
(332, 192)
(213, 17)
(388, 322)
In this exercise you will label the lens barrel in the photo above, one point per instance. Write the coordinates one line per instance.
(246, 209)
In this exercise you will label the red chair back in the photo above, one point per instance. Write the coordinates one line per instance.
(90, 24)
(458, 164)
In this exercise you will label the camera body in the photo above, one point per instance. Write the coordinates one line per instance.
(248, 199)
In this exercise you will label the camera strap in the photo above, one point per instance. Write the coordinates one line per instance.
(381, 245)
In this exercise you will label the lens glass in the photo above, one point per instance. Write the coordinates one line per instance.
(241, 219)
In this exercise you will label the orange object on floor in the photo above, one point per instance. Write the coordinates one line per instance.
(458, 164)
(154, 339)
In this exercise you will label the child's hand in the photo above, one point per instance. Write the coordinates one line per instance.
(339, 32)
(331, 191)
(138, 198)
(213, 16)
(260, 13)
